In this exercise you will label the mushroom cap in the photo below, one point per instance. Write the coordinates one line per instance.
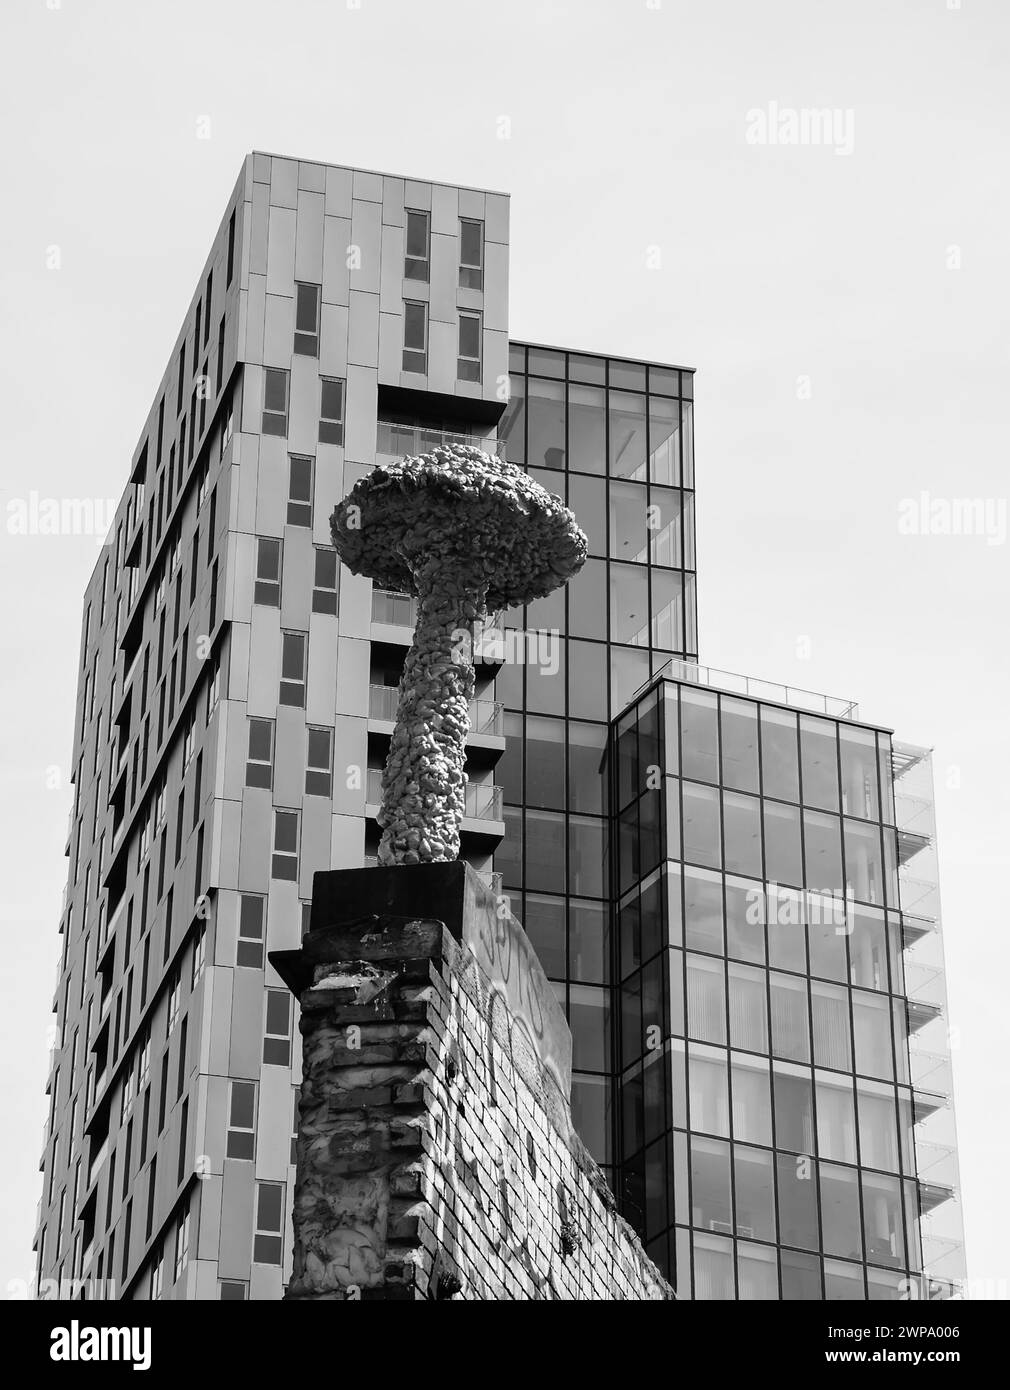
(464, 506)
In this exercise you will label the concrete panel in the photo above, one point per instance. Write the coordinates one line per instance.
(347, 842)
(261, 167)
(312, 177)
(284, 929)
(296, 589)
(496, 284)
(284, 183)
(315, 847)
(392, 201)
(265, 662)
(350, 758)
(355, 605)
(289, 757)
(496, 364)
(496, 217)
(444, 277)
(333, 330)
(359, 429)
(238, 670)
(309, 238)
(338, 192)
(278, 330)
(390, 347)
(281, 250)
(266, 1281)
(272, 486)
(391, 276)
(472, 203)
(259, 225)
(336, 275)
(367, 186)
(252, 400)
(366, 225)
(444, 209)
(321, 694)
(255, 320)
(220, 1032)
(225, 940)
(275, 1124)
(256, 840)
(237, 1200)
(442, 343)
(352, 676)
(303, 420)
(417, 195)
(227, 844)
(215, 1129)
(363, 330)
(205, 1247)
(246, 1052)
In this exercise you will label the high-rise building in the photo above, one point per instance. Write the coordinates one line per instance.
(236, 699)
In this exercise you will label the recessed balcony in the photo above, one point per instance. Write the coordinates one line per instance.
(485, 743)
(483, 826)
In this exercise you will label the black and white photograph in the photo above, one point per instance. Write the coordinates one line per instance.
(505, 581)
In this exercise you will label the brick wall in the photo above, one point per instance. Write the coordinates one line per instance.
(436, 1157)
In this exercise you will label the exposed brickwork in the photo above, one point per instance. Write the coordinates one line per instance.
(436, 1157)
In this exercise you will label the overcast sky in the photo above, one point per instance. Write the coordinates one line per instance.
(844, 300)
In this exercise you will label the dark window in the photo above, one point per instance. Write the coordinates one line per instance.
(293, 659)
(284, 861)
(471, 254)
(416, 262)
(324, 591)
(319, 763)
(231, 247)
(331, 410)
(277, 1034)
(468, 360)
(299, 491)
(268, 572)
(242, 1120)
(275, 401)
(267, 1242)
(307, 320)
(259, 768)
(415, 336)
(250, 932)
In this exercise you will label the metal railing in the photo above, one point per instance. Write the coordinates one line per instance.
(486, 716)
(400, 440)
(388, 606)
(733, 683)
(481, 802)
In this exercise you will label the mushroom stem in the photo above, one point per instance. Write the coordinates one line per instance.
(424, 784)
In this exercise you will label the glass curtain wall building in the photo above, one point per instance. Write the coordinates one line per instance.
(768, 1107)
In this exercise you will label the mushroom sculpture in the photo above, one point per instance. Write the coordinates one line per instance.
(464, 532)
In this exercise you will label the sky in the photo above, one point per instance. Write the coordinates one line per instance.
(839, 284)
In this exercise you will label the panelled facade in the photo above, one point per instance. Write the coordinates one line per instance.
(237, 692)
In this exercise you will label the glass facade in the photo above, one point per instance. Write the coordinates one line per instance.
(614, 439)
(766, 1125)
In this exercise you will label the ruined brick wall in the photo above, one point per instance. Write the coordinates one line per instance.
(436, 1156)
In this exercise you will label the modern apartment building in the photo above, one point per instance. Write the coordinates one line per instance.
(236, 697)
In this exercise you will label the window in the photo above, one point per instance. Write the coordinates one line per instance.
(231, 247)
(331, 410)
(241, 1120)
(174, 1000)
(416, 261)
(319, 763)
(268, 572)
(471, 254)
(181, 1244)
(199, 957)
(293, 659)
(284, 863)
(307, 320)
(275, 401)
(277, 1036)
(267, 1244)
(250, 932)
(468, 360)
(415, 336)
(324, 591)
(232, 1290)
(299, 491)
(259, 768)
(158, 1276)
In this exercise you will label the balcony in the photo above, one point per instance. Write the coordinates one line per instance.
(394, 617)
(914, 928)
(393, 440)
(483, 826)
(485, 742)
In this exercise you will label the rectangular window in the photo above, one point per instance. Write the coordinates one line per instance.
(275, 401)
(158, 1276)
(206, 309)
(277, 1034)
(293, 662)
(267, 1243)
(259, 768)
(284, 862)
(299, 491)
(471, 254)
(252, 911)
(219, 377)
(180, 384)
(324, 590)
(415, 336)
(331, 410)
(267, 590)
(307, 320)
(416, 262)
(181, 1244)
(242, 1120)
(468, 360)
(231, 247)
(319, 763)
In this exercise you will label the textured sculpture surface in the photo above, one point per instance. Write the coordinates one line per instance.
(463, 531)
